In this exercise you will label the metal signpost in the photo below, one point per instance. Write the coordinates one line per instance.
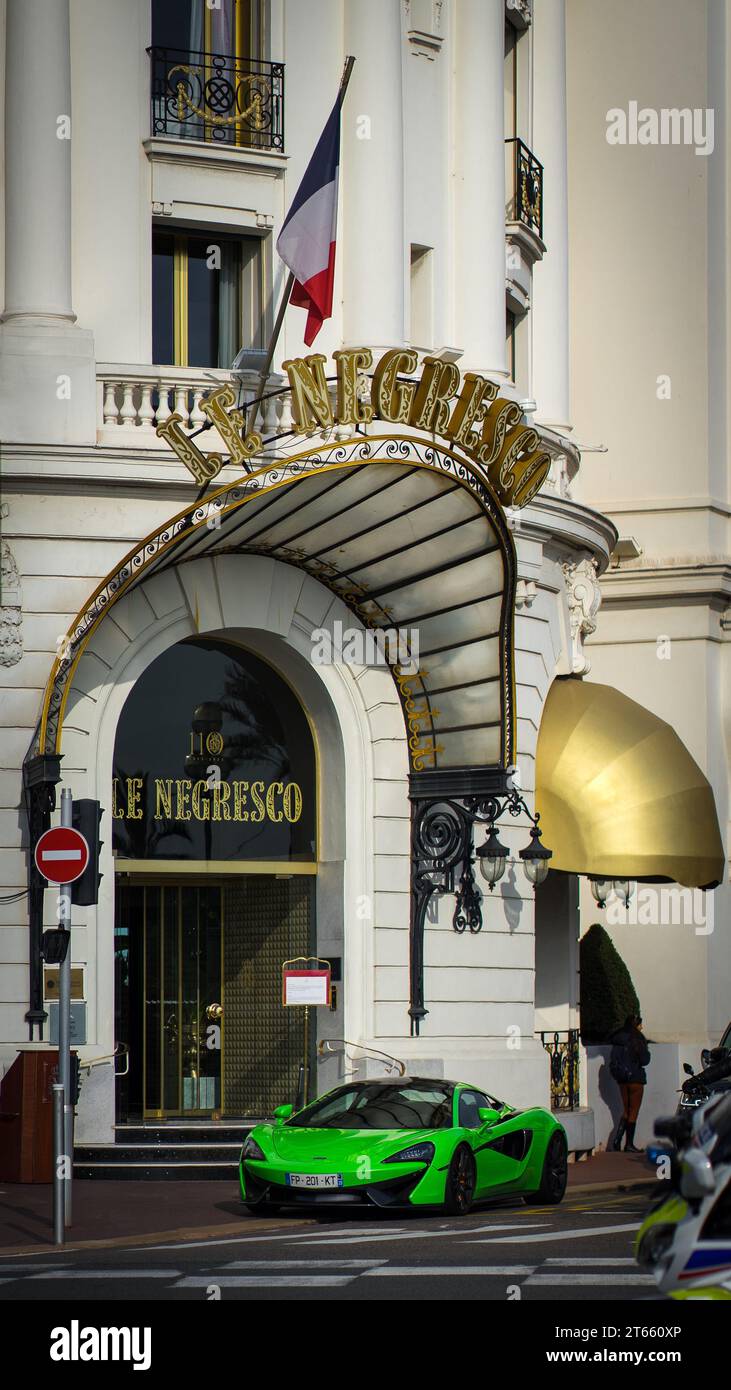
(62, 856)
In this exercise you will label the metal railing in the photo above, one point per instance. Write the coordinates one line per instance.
(563, 1049)
(525, 191)
(217, 97)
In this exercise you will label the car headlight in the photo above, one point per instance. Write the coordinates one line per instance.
(416, 1153)
(655, 1244)
(251, 1150)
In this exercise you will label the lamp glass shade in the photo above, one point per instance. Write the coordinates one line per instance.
(623, 889)
(535, 858)
(601, 888)
(536, 870)
(493, 859)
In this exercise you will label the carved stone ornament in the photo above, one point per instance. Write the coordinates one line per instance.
(11, 619)
(424, 26)
(584, 597)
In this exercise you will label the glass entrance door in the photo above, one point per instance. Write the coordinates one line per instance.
(198, 997)
(174, 948)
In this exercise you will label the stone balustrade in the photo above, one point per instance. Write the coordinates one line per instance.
(133, 400)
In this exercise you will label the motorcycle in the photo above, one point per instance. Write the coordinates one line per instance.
(685, 1239)
(714, 1078)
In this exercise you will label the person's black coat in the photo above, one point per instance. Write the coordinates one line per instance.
(634, 1053)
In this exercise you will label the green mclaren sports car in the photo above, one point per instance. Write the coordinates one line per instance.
(413, 1142)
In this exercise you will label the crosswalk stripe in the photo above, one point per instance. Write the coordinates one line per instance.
(552, 1280)
(457, 1234)
(264, 1281)
(579, 1234)
(589, 1260)
(71, 1273)
(436, 1271)
(305, 1264)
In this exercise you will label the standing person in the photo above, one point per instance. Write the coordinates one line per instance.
(630, 1055)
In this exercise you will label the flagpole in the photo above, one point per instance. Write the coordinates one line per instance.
(289, 285)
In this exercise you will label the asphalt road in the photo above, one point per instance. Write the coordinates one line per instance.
(580, 1250)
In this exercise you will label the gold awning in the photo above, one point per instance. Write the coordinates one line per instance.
(619, 794)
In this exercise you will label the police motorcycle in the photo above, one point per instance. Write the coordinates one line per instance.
(685, 1239)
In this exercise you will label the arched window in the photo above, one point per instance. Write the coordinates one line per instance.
(213, 761)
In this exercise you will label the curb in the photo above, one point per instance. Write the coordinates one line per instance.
(151, 1238)
(617, 1185)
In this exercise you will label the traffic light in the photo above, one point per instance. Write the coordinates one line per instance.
(54, 945)
(86, 817)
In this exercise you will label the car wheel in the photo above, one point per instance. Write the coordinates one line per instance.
(461, 1180)
(555, 1173)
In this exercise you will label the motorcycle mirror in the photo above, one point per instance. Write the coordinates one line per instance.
(696, 1179)
(687, 1068)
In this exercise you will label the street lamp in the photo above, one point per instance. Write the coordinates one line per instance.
(493, 859)
(601, 888)
(535, 858)
(623, 889)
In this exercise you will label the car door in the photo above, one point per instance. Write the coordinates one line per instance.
(494, 1169)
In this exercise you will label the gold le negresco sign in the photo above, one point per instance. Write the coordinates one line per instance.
(182, 799)
(466, 411)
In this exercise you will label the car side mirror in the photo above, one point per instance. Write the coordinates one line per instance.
(706, 1057)
(687, 1068)
(487, 1116)
(283, 1113)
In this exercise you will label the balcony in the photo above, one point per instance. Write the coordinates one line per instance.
(133, 400)
(525, 188)
(217, 98)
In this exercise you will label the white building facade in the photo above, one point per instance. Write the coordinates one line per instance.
(159, 622)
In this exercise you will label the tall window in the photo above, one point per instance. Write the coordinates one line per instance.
(511, 82)
(207, 297)
(422, 297)
(235, 27)
(210, 78)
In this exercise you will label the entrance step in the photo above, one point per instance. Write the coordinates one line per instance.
(182, 1151)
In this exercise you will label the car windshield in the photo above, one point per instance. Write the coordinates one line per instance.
(374, 1106)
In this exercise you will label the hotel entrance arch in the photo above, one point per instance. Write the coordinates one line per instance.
(214, 830)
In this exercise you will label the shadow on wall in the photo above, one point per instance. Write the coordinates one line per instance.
(664, 1078)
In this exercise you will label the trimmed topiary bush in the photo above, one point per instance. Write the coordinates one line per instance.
(607, 992)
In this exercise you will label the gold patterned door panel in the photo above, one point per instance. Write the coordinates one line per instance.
(267, 921)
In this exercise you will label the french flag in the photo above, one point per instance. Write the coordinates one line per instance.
(306, 242)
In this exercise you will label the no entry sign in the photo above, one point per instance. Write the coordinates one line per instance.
(62, 855)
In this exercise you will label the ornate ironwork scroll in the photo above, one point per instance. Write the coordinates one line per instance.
(214, 96)
(526, 203)
(563, 1050)
(443, 854)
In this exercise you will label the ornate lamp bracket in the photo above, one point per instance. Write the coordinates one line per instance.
(443, 852)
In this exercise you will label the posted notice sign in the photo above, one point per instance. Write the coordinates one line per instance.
(305, 987)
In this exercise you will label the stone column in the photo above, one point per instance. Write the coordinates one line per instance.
(479, 185)
(47, 385)
(550, 312)
(372, 170)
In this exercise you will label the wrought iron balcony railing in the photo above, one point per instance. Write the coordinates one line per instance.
(563, 1050)
(216, 97)
(525, 188)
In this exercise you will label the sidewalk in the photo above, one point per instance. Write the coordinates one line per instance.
(616, 1170)
(132, 1213)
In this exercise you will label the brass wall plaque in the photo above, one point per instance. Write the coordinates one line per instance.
(50, 982)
